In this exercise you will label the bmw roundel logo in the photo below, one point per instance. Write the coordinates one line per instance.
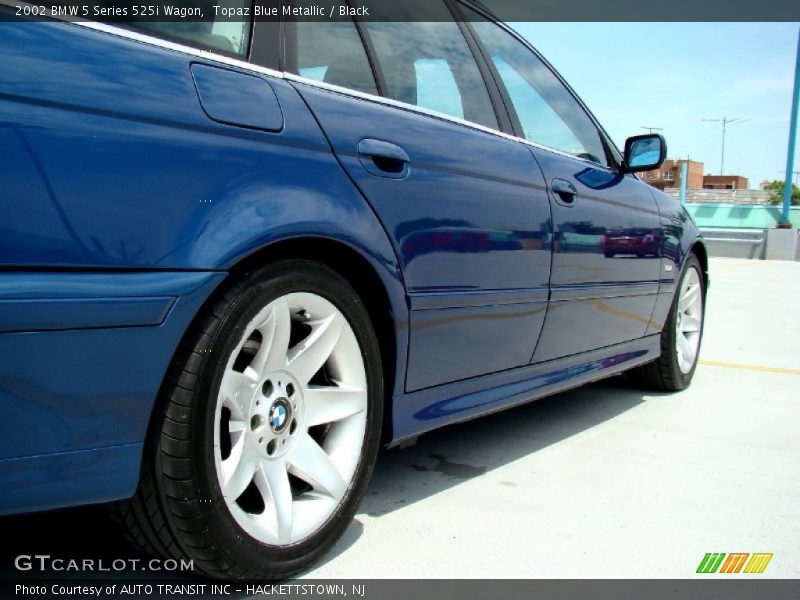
(277, 415)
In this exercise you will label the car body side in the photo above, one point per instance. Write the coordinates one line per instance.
(127, 205)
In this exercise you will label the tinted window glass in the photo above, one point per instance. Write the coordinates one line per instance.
(429, 64)
(547, 111)
(330, 51)
(230, 37)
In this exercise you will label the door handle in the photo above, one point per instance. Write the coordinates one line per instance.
(383, 159)
(564, 192)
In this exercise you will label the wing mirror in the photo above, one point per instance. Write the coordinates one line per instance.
(644, 153)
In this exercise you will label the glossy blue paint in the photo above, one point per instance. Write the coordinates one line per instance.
(136, 179)
(48, 315)
(449, 344)
(680, 237)
(69, 478)
(428, 409)
(598, 297)
(236, 98)
(470, 217)
(198, 194)
(42, 301)
(92, 386)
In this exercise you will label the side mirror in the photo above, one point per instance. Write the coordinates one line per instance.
(644, 153)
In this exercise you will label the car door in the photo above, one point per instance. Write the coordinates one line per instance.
(465, 207)
(606, 264)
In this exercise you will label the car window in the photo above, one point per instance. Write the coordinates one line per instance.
(220, 34)
(331, 52)
(547, 111)
(437, 88)
(429, 64)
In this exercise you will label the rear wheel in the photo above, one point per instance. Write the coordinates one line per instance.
(270, 429)
(681, 337)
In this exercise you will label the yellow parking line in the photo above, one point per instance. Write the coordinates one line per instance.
(729, 365)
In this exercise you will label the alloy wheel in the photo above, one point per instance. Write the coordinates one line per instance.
(290, 419)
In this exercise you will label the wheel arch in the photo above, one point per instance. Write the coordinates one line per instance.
(378, 294)
(698, 248)
(371, 288)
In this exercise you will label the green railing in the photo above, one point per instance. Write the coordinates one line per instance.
(740, 216)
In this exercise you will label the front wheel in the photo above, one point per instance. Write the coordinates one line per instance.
(270, 431)
(681, 336)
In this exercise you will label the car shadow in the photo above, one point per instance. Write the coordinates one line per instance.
(437, 462)
(447, 457)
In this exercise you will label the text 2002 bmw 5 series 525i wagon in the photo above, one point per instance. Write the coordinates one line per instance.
(236, 258)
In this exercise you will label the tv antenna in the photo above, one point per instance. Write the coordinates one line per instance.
(725, 122)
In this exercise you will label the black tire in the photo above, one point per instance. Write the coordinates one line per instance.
(608, 254)
(665, 374)
(178, 510)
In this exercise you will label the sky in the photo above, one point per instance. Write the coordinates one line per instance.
(674, 75)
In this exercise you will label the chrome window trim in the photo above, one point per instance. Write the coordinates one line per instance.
(248, 66)
(178, 47)
(393, 103)
(151, 40)
(436, 114)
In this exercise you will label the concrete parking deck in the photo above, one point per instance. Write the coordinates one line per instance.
(603, 481)
(608, 481)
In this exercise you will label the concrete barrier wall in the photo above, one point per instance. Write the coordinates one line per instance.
(723, 196)
(769, 244)
(736, 243)
(782, 244)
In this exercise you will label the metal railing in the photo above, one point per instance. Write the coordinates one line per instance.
(735, 243)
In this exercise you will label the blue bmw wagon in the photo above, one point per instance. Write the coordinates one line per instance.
(236, 258)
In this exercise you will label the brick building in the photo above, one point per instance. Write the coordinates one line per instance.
(669, 176)
(725, 182)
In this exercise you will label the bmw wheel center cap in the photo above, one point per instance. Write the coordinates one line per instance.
(279, 415)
